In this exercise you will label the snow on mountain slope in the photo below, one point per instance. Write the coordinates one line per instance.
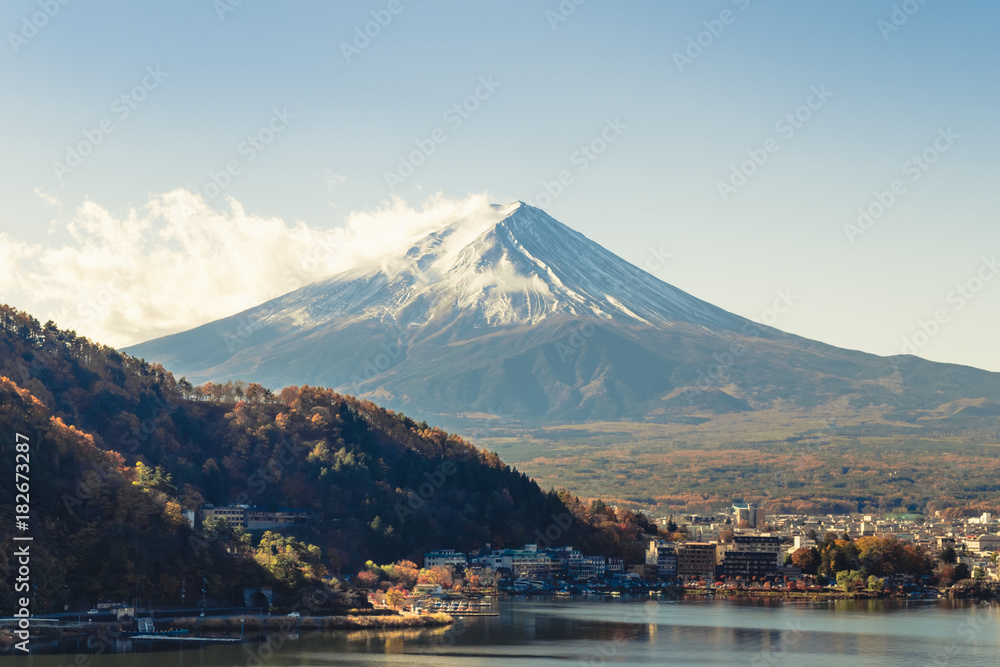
(505, 265)
(508, 311)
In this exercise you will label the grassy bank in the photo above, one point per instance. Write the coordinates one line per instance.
(350, 622)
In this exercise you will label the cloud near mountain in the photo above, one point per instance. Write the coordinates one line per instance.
(175, 262)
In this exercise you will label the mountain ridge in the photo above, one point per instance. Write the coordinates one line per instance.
(509, 311)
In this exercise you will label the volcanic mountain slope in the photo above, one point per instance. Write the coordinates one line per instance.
(509, 312)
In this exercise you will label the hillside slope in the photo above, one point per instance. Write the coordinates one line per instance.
(121, 448)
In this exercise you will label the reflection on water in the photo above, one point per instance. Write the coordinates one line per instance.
(617, 632)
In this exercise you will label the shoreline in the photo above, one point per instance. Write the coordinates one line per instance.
(677, 593)
(292, 624)
(234, 626)
(795, 595)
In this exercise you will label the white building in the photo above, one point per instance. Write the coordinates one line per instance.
(527, 564)
(663, 555)
(443, 558)
(983, 544)
(588, 567)
(747, 512)
(492, 560)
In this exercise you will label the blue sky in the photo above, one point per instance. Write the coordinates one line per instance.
(887, 94)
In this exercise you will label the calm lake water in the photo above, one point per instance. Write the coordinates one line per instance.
(627, 632)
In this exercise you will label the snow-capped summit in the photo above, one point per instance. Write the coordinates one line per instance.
(504, 265)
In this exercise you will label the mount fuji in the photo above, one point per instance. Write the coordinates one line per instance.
(510, 312)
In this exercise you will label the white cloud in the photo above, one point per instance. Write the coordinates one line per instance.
(176, 263)
(47, 198)
(331, 179)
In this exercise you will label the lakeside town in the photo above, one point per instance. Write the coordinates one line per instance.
(739, 549)
(743, 550)
(737, 552)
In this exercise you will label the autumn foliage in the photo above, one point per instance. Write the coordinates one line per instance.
(122, 448)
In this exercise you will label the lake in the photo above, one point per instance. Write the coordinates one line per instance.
(625, 632)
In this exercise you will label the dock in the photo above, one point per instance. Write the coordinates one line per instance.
(186, 638)
(472, 613)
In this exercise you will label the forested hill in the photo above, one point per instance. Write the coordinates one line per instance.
(121, 447)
